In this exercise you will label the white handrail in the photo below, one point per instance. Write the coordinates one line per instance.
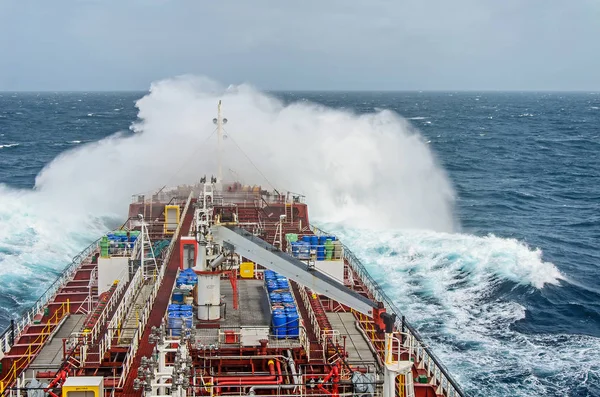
(131, 352)
(445, 384)
(128, 298)
(114, 298)
(9, 336)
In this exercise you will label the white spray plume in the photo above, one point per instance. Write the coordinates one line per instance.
(371, 170)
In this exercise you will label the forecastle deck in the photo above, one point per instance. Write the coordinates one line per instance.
(336, 349)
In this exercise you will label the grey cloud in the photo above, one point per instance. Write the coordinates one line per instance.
(349, 44)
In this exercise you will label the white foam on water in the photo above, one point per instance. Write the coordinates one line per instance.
(370, 169)
(38, 238)
(356, 169)
(449, 285)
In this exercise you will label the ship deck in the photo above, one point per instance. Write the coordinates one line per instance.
(51, 357)
(356, 345)
(253, 309)
(234, 352)
(252, 312)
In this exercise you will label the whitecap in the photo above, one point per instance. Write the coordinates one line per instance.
(445, 284)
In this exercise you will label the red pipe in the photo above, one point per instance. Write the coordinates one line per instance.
(275, 379)
(335, 373)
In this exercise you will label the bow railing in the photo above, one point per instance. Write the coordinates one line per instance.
(446, 384)
(13, 331)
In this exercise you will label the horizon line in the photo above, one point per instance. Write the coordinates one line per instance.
(329, 90)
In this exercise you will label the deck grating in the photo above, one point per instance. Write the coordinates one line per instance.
(253, 310)
(50, 357)
(356, 345)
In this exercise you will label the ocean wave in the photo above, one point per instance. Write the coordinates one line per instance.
(464, 294)
(39, 236)
(9, 145)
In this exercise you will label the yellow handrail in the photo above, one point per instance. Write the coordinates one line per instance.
(32, 350)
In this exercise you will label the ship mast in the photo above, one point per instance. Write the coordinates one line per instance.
(220, 121)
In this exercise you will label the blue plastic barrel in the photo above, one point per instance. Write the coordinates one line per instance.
(287, 298)
(295, 249)
(314, 240)
(320, 252)
(173, 307)
(185, 308)
(269, 274)
(177, 297)
(275, 297)
(279, 320)
(292, 324)
(283, 284)
(306, 239)
(174, 323)
(271, 285)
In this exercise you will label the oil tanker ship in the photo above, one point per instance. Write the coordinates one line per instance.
(217, 289)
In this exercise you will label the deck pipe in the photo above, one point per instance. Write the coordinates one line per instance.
(297, 379)
(217, 261)
(373, 350)
(274, 378)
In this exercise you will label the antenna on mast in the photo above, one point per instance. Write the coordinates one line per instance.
(220, 121)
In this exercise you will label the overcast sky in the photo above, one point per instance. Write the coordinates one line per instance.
(302, 44)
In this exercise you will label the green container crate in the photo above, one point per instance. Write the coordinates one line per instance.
(104, 247)
(421, 379)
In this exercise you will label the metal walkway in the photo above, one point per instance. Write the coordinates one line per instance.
(356, 345)
(50, 357)
(130, 325)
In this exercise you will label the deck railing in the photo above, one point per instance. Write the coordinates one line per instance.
(13, 331)
(95, 332)
(119, 315)
(424, 355)
(131, 352)
(52, 324)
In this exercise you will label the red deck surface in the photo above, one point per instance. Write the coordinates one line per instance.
(158, 310)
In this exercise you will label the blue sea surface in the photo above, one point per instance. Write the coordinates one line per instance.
(510, 302)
